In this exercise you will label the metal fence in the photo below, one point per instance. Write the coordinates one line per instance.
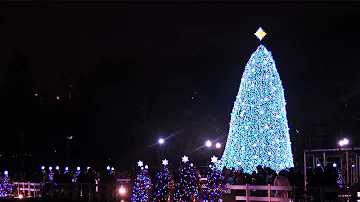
(123, 191)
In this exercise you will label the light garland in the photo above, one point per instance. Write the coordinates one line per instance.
(258, 132)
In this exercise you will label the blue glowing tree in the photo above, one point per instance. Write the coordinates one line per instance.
(258, 129)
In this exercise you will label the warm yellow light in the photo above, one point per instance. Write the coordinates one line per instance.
(260, 33)
(36, 94)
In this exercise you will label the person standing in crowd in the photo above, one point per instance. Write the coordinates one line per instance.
(260, 176)
(281, 180)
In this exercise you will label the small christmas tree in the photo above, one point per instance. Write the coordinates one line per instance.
(339, 178)
(187, 189)
(5, 185)
(161, 189)
(142, 185)
(51, 174)
(216, 186)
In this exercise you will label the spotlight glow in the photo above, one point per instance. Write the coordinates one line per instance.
(122, 191)
(208, 143)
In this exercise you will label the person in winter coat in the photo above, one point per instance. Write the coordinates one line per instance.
(281, 180)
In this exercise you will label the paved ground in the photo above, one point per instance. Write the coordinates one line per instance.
(226, 198)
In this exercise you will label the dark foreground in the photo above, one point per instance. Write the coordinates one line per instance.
(226, 198)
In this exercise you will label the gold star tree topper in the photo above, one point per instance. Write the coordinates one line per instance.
(260, 33)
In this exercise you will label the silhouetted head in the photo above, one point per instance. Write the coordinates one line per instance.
(282, 173)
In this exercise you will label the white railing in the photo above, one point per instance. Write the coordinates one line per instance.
(28, 189)
(269, 188)
(125, 180)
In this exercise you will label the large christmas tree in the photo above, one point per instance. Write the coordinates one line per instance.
(259, 132)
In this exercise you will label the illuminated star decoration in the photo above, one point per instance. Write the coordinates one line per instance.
(140, 163)
(260, 33)
(185, 159)
(165, 162)
(214, 159)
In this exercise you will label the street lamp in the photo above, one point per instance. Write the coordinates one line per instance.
(161, 141)
(218, 145)
(68, 147)
(161, 150)
(208, 143)
(343, 142)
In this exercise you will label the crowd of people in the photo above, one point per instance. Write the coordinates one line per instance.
(263, 176)
(68, 177)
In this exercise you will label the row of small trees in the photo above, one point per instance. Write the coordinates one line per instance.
(185, 188)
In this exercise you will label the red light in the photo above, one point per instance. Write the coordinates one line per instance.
(57, 97)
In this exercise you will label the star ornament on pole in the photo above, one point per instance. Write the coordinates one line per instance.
(140, 163)
(260, 33)
(165, 162)
(185, 159)
(214, 159)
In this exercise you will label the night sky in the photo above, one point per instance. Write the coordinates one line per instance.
(135, 67)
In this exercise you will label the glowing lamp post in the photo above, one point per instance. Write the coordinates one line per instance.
(68, 148)
(343, 142)
(161, 141)
(208, 143)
